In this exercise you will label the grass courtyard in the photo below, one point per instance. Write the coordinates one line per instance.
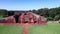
(53, 28)
(11, 30)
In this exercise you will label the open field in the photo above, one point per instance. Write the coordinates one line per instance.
(52, 28)
(11, 30)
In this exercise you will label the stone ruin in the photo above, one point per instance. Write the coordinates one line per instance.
(25, 18)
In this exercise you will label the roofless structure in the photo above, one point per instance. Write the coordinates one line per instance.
(23, 17)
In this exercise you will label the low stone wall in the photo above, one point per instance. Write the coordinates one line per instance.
(53, 22)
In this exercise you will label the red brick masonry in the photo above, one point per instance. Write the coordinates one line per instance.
(25, 18)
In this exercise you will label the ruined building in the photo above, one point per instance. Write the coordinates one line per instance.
(24, 17)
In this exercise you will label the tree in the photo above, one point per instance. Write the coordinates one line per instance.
(56, 17)
(50, 18)
(3, 12)
(43, 11)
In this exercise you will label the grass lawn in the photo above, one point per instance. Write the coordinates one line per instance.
(11, 30)
(53, 28)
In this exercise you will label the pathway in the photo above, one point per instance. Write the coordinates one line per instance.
(26, 28)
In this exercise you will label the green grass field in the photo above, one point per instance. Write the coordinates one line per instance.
(11, 30)
(53, 28)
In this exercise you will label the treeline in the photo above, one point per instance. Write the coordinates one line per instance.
(50, 14)
(3, 13)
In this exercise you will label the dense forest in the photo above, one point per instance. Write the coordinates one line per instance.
(50, 14)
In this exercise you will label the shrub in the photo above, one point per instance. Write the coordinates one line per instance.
(49, 18)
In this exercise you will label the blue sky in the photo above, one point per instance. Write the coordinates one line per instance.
(28, 4)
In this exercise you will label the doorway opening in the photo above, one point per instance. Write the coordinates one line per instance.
(16, 18)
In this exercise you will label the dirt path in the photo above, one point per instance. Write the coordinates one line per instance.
(26, 28)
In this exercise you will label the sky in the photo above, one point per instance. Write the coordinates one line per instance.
(28, 4)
